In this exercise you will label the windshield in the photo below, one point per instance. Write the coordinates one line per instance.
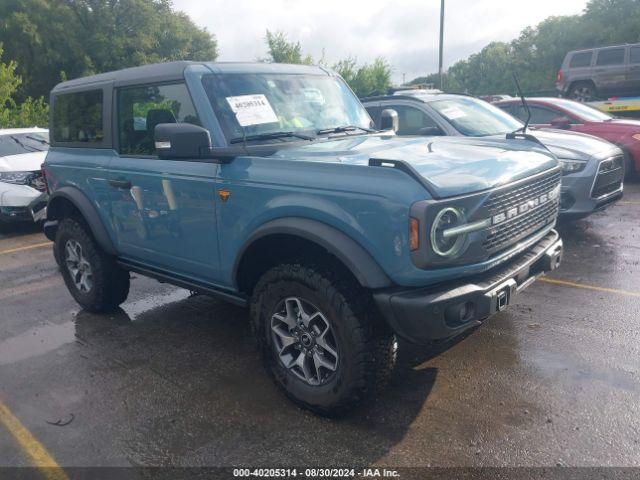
(18, 143)
(265, 104)
(475, 118)
(583, 111)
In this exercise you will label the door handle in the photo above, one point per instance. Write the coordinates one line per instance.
(121, 183)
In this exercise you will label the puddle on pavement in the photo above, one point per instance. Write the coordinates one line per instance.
(134, 309)
(49, 337)
(564, 366)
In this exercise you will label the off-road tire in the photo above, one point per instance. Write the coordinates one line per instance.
(366, 346)
(583, 92)
(110, 285)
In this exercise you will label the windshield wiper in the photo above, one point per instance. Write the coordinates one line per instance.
(40, 140)
(345, 128)
(269, 136)
(28, 148)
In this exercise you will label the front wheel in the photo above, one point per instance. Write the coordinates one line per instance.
(92, 277)
(321, 338)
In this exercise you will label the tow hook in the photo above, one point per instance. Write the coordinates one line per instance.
(553, 256)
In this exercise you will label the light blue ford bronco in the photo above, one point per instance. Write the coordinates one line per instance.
(264, 185)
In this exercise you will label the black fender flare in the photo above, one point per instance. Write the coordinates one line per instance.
(360, 262)
(88, 211)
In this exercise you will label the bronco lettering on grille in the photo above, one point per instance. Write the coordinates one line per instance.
(526, 206)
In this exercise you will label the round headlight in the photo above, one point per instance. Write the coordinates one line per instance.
(447, 245)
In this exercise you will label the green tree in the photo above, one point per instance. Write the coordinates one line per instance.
(366, 79)
(612, 21)
(282, 50)
(536, 55)
(431, 79)
(27, 114)
(52, 38)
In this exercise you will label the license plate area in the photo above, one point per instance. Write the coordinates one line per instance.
(502, 300)
(501, 296)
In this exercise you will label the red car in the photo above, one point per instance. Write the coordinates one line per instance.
(578, 117)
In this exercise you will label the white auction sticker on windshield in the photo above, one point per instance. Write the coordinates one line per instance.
(252, 109)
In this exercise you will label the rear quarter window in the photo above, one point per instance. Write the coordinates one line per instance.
(579, 60)
(634, 54)
(78, 117)
(610, 56)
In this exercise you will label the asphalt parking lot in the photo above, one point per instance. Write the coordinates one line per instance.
(173, 380)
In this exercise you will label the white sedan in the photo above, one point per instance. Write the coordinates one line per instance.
(22, 188)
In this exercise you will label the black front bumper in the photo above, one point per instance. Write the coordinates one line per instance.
(422, 315)
(34, 212)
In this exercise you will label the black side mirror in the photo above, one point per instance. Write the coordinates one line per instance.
(430, 131)
(389, 119)
(181, 140)
(561, 122)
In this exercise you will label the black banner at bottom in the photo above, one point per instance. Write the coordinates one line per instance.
(404, 473)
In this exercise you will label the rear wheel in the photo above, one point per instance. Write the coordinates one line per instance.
(583, 92)
(92, 277)
(321, 337)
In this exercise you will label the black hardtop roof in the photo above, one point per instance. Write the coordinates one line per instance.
(159, 71)
(169, 71)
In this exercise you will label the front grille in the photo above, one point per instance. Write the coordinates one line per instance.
(510, 232)
(607, 189)
(613, 163)
(510, 197)
(524, 223)
(609, 177)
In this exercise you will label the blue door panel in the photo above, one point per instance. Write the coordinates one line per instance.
(166, 218)
(87, 170)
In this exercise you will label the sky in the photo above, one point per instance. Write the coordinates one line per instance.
(405, 32)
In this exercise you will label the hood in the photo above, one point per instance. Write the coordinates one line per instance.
(449, 165)
(25, 162)
(573, 145)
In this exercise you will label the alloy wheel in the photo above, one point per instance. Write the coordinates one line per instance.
(304, 341)
(78, 266)
(583, 94)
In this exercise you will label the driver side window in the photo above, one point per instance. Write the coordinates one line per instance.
(539, 115)
(140, 109)
(412, 121)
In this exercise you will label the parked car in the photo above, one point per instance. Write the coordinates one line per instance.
(565, 114)
(263, 184)
(495, 98)
(599, 72)
(592, 169)
(22, 189)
